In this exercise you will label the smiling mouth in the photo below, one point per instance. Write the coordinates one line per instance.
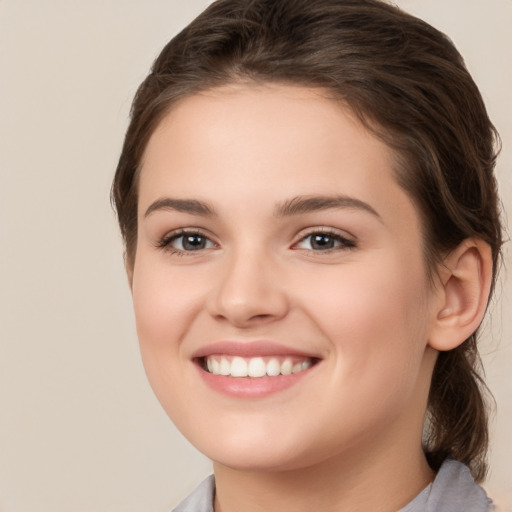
(255, 367)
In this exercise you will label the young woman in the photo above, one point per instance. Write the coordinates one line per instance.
(312, 233)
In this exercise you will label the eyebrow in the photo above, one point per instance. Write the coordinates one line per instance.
(192, 206)
(307, 204)
(294, 206)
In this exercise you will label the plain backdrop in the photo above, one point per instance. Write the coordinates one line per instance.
(79, 427)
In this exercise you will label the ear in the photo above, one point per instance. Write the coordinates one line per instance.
(464, 285)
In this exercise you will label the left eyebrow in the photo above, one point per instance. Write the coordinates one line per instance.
(307, 204)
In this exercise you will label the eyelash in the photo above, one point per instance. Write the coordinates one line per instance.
(343, 243)
(166, 241)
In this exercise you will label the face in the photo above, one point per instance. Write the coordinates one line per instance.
(280, 291)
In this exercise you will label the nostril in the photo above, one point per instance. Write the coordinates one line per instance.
(246, 295)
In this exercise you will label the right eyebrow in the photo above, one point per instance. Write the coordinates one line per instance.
(192, 206)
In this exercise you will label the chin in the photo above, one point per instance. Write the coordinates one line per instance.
(267, 462)
(249, 452)
(269, 454)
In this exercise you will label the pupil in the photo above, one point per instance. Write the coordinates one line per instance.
(193, 242)
(322, 242)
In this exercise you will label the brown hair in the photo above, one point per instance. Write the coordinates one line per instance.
(409, 85)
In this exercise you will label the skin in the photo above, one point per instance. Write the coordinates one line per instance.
(364, 308)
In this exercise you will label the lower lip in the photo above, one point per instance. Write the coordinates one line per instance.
(247, 387)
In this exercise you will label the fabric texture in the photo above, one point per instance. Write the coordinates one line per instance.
(453, 490)
(201, 499)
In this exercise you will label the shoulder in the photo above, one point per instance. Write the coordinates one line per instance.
(453, 490)
(201, 499)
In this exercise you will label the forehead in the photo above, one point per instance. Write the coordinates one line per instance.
(241, 146)
(273, 127)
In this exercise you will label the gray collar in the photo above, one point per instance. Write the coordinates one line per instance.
(201, 499)
(453, 490)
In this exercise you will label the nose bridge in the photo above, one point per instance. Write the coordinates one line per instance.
(248, 288)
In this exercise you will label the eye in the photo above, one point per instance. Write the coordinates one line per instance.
(186, 241)
(324, 241)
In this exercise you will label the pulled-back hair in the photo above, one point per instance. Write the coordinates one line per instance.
(408, 84)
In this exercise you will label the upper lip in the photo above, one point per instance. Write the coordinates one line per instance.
(250, 349)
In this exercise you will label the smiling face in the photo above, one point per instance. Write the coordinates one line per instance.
(274, 241)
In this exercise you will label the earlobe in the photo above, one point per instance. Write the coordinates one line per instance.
(464, 286)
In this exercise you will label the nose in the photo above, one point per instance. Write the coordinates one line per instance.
(249, 291)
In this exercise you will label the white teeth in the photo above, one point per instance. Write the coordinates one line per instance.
(306, 365)
(238, 367)
(286, 367)
(255, 366)
(297, 368)
(225, 366)
(273, 368)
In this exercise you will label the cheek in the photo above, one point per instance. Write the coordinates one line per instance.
(163, 304)
(378, 336)
(375, 317)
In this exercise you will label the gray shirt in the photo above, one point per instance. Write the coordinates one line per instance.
(453, 490)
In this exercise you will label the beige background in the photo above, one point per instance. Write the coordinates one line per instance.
(79, 427)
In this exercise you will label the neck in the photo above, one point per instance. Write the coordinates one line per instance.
(375, 482)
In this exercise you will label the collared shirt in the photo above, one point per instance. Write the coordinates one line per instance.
(453, 490)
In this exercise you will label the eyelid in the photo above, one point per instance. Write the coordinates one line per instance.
(165, 241)
(347, 241)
